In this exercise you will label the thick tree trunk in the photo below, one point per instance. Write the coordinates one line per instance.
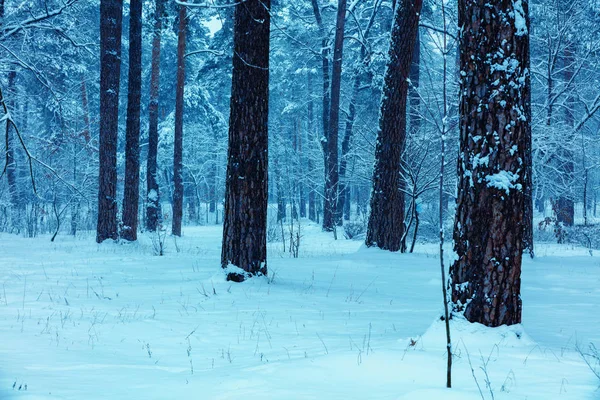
(152, 189)
(386, 220)
(111, 14)
(330, 212)
(178, 141)
(131, 196)
(488, 230)
(344, 188)
(245, 222)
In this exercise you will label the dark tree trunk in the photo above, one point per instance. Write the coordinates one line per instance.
(246, 198)
(152, 189)
(111, 14)
(386, 220)
(310, 164)
(528, 206)
(11, 162)
(330, 212)
(178, 141)
(131, 196)
(488, 230)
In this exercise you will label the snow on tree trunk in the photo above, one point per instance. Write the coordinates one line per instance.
(386, 220)
(152, 189)
(131, 196)
(178, 140)
(494, 128)
(111, 14)
(244, 251)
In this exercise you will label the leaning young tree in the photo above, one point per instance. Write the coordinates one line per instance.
(132, 131)
(494, 128)
(386, 221)
(111, 14)
(246, 186)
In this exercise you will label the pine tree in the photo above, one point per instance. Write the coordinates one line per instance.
(111, 14)
(132, 138)
(178, 142)
(386, 220)
(152, 189)
(245, 223)
(494, 128)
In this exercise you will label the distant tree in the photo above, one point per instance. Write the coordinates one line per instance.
(494, 128)
(386, 221)
(111, 14)
(152, 189)
(178, 141)
(132, 138)
(246, 187)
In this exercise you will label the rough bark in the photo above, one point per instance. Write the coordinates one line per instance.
(111, 14)
(152, 189)
(246, 197)
(386, 220)
(493, 124)
(310, 164)
(131, 195)
(178, 141)
(330, 214)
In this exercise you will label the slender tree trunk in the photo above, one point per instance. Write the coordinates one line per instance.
(386, 221)
(178, 142)
(310, 164)
(246, 198)
(131, 196)
(111, 14)
(488, 230)
(152, 189)
(330, 212)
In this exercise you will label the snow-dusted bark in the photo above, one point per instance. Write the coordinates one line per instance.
(131, 197)
(386, 221)
(244, 249)
(152, 189)
(178, 140)
(494, 128)
(111, 14)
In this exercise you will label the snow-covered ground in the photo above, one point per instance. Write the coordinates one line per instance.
(85, 321)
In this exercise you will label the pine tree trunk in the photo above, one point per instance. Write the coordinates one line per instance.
(386, 220)
(494, 119)
(111, 14)
(245, 222)
(131, 196)
(152, 189)
(178, 142)
(310, 164)
(330, 212)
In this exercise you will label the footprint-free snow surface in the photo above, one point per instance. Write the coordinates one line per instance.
(113, 321)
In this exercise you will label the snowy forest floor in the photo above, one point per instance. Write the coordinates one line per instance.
(85, 321)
